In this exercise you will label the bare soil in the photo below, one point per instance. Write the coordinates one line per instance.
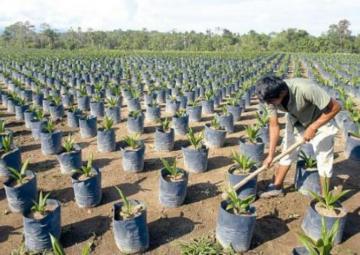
(278, 219)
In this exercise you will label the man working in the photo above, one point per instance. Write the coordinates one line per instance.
(310, 112)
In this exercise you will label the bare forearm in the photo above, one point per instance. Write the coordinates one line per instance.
(274, 134)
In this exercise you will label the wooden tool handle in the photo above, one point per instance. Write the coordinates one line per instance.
(259, 170)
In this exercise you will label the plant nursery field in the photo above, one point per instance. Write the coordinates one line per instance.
(95, 103)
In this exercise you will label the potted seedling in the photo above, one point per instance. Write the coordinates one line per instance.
(97, 106)
(29, 115)
(152, 112)
(189, 91)
(9, 156)
(164, 136)
(50, 139)
(172, 105)
(196, 155)
(134, 101)
(307, 175)
(234, 108)
(37, 123)
(46, 104)
(87, 124)
(67, 99)
(180, 122)
(242, 167)
(56, 108)
(263, 123)
(70, 156)
(106, 139)
(226, 120)
(252, 145)
(130, 227)
(173, 184)
(73, 115)
(86, 182)
(321, 246)
(20, 108)
(193, 109)
(352, 146)
(112, 109)
(135, 122)
(43, 219)
(325, 206)
(236, 222)
(133, 154)
(83, 100)
(214, 134)
(207, 105)
(20, 188)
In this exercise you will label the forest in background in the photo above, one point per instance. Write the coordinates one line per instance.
(337, 39)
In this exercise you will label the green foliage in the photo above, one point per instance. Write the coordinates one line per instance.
(112, 102)
(49, 127)
(132, 141)
(180, 113)
(201, 246)
(173, 172)
(237, 205)
(97, 98)
(128, 210)
(135, 114)
(39, 114)
(252, 133)
(6, 143)
(209, 94)
(215, 123)
(310, 162)
(324, 245)
(328, 199)
(69, 143)
(19, 176)
(107, 123)
(40, 205)
(244, 163)
(56, 100)
(263, 119)
(165, 124)
(233, 101)
(56, 246)
(87, 169)
(195, 140)
(2, 126)
(194, 103)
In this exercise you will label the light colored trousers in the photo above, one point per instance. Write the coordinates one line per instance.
(323, 145)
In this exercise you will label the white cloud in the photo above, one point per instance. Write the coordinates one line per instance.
(183, 15)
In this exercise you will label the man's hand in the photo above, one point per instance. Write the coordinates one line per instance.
(309, 133)
(268, 161)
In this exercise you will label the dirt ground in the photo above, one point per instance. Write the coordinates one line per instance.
(278, 219)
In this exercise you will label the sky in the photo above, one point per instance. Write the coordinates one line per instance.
(238, 16)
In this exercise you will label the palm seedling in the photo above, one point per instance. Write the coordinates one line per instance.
(132, 141)
(180, 113)
(86, 170)
(215, 124)
(6, 143)
(328, 199)
(325, 243)
(82, 91)
(69, 143)
(194, 103)
(237, 205)
(195, 140)
(165, 124)
(209, 94)
(96, 98)
(107, 123)
(135, 114)
(263, 119)
(252, 133)
(59, 250)
(19, 176)
(233, 101)
(112, 102)
(172, 171)
(40, 205)
(39, 114)
(244, 164)
(310, 162)
(56, 100)
(49, 127)
(202, 246)
(128, 210)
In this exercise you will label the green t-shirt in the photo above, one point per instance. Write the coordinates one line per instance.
(306, 102)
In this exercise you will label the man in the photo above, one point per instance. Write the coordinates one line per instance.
(310, 112)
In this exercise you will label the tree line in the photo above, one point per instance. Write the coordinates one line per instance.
(338, 38)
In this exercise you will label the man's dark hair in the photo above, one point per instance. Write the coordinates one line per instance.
(269, 87)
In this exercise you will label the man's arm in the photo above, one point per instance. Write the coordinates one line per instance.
(329, 113)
